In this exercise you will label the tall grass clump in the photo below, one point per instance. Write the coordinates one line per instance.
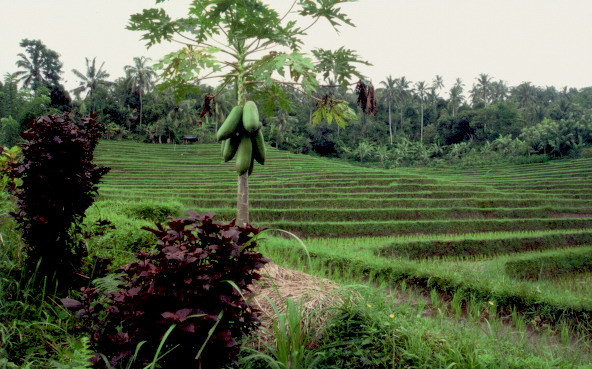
(292, 336)
(35, 332)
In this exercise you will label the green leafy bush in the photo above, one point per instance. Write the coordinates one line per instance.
(9, 132)
(8, 160)
(125, 235)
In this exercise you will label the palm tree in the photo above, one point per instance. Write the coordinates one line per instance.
(476, 96)
(499, 91)
(432, 96)
(421, 89)
(484, 86)
(525, 95)
(140, 78)
(91, 81)
(279, 122)
(31, 75)
(548, 95)
(402, 95)
(456, 95)
(438, 83)
(389, 93)
(456, 98)
(41, 68)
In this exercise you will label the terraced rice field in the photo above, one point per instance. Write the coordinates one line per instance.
(444, 228)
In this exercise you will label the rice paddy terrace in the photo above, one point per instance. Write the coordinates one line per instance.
(316, 197)
(520, 233)
(320, 198)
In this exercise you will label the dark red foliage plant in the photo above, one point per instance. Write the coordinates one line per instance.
(59, 182)
(197, 278)
(366, 98)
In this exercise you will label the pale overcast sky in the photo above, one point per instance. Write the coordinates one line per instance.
(546, 42)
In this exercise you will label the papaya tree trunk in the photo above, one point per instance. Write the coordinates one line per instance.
(242, 201)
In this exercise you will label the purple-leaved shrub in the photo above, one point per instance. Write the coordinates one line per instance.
(196, 278)
(58, 183)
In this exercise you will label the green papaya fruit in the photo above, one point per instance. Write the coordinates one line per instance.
(230, 124)
(258, 147)
(252, 165)
(251, 117)
(244, 155)
(231, 147)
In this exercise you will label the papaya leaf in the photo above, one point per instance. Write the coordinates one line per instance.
(333, 111)
(338, 65)
(325, 9)
(156, 23)
(317, 116)
(273, 98)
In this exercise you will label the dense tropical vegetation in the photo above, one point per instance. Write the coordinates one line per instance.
(416, 123)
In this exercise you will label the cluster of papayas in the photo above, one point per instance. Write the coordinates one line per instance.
(241, 136)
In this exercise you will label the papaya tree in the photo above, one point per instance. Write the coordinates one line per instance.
(249, 46)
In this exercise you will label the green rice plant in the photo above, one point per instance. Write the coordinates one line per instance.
(153, 211)
(391, 214)
(484, 284)
(519, 322)
(484, 246)
(436, 300)
(456, 304)
(547, 267)
(565, 334)
(474, 308)
(403, 286)
(552, 199)
(123, 238)
(359, 335)
(383, 228)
